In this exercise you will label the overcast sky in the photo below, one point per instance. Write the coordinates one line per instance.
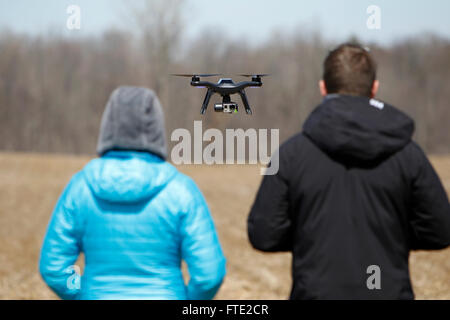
(252, 20)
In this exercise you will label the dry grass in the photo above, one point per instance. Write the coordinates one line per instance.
(30, 185)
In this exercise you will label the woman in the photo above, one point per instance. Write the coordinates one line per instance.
(133, 215)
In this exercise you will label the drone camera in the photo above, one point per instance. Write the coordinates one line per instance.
(226, 107)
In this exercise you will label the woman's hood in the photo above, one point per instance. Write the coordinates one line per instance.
(127, 176)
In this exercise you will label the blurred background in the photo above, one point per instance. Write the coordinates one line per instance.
(55, 81)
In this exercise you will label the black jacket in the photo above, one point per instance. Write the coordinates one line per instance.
(352, 191)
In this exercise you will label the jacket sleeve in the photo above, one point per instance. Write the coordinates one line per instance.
(430, 216)
(269, 223)
(61, 247)
(201, 249)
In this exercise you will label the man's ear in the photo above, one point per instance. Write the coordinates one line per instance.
(375, 86)
(322, 88)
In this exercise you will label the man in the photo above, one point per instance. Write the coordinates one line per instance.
(133, 215)
(353, 195)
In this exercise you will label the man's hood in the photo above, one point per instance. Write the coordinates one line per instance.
(127, 176)
(358, 128)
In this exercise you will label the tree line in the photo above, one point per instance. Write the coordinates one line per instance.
(53, 89)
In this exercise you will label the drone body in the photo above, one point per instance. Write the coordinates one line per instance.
(225, 87)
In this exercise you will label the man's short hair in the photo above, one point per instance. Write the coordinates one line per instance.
(349, 69)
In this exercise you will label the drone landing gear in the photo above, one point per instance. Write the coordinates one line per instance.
(245, 101)
(206, 101)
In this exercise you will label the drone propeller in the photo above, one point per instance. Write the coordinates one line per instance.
(255, 75)
(196, 75)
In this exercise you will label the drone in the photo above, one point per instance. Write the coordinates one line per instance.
(225, 87)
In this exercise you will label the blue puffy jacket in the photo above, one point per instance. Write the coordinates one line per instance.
(135, 218)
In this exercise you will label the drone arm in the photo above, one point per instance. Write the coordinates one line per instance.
(244, 84)
(245, 101)
(206, 101)
(206, 84)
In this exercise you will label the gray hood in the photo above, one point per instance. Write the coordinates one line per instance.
(133, 120)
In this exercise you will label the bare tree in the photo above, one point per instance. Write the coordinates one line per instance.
(159, 23)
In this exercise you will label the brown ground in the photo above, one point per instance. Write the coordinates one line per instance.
(30, 185)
